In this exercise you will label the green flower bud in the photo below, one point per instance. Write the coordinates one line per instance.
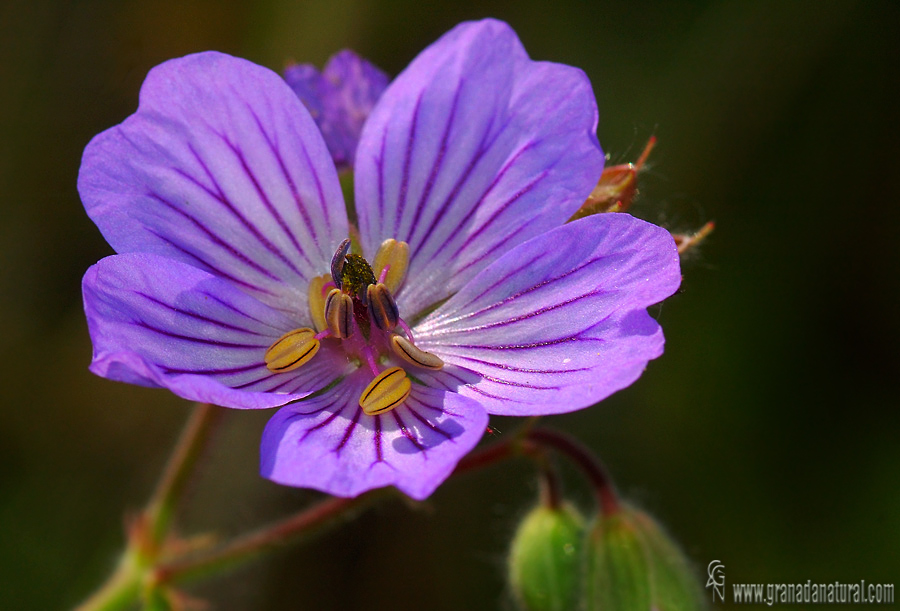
(632, 565)
(545, 557)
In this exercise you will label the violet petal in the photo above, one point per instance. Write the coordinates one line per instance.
(158, 322)
(472, 150)
(328, 443)
(559, 322)
(220, 167)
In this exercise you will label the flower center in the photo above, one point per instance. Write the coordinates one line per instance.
(356, 308)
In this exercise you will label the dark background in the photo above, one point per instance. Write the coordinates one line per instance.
(765, 437)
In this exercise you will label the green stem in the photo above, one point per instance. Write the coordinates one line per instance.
(315, 519)
(120, 591)
(139, 570)
(188, 449)
(146, 533)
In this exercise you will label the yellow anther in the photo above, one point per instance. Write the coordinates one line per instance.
(382, 307)
(292, 350)
(395, 254)
(317, 301)
(385, 392)
(338, 314)
(403, 348)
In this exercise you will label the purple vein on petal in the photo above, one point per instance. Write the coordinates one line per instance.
(498, 246)
(410, 145)
(323, 205)
(267, 375)
(239, 155)
(212, 268)
(446, 318)
(219, 196)
(462, 383)
(196, 316)
(238, 311)
(521, 293)
(550, 342)
(212, 236)
(379, 452)
(276, 152)
(438, 408)
(348, 432)
(322, 424)
(497, 213)
(507, 382)
(481, 154)
(379, 163)
(520, 317)
(430, 425)
(199, 340)
(212, 371)
(300, 382)
(438, 163)
(406, 432)
(509, 367)
(485, 393)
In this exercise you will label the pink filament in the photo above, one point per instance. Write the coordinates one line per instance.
(406, 328)
(370, 359)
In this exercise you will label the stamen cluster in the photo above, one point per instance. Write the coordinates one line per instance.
(352, 306)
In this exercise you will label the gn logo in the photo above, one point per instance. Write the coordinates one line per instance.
(716, 571)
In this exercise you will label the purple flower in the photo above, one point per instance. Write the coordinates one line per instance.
(222, 199)
(339, 99)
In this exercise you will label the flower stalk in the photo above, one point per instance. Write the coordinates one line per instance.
(147, 532)
(121, 589)
(534, 442)
(144, 570)
(187, 450)
(590, 465)
(312, 520)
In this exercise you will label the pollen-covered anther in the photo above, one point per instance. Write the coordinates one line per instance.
(292, 350)
(394, 256)
(382, 307)
(405, 349)
(385, 392)
(339, 314)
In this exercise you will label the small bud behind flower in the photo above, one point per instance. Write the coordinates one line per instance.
(616, 188)
(545, 557)
(632, 565)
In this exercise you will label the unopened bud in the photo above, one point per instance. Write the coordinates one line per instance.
(632, 565)
(616, 188)
(545, 557)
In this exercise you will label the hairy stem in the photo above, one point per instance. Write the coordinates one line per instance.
(275, 536)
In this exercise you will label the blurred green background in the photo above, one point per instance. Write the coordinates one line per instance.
(765, 437)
